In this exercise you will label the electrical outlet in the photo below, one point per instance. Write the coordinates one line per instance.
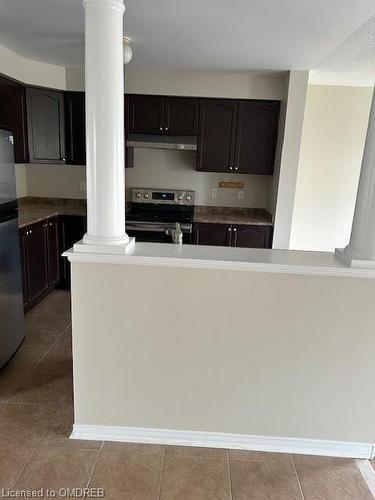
(240, 194)
(213, 193)
(82, 186)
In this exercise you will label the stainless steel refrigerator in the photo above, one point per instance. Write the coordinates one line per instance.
(11, 302)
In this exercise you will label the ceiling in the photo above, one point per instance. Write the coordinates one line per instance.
(352, 62)
(198, 35)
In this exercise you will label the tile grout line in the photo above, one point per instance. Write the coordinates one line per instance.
(229, 477)
(298, 481)
(47, 351)
(368, 474)
(59, 406)
(24, 468)
(95, 464)
(161, 472)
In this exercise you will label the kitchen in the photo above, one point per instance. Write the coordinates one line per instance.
(156, 252)
(202, 162)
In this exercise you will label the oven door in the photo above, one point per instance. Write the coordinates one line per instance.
(155, 232)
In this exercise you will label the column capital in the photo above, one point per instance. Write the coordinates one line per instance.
(117, 5)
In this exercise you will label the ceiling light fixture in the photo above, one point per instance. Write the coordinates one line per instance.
(128, 53)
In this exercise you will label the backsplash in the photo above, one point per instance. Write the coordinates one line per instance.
(154, 169)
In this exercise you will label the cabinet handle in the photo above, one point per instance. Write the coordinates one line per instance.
(230, 168)
(161, 129)
(30, 231)
(166, 129)
(236, 168)
(235, 236)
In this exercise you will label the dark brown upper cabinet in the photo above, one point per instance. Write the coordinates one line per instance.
(163, 115)
(256, 137)
(13, 116)
(216, 137)
(237, 136)
(46, 125)
(181, 115)
(146, 114)
(75, 128)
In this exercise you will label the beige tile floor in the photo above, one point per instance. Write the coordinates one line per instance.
(36, 415)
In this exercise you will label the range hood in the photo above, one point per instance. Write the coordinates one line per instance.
(179, 142)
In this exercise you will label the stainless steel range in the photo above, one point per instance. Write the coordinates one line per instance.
(161, 215)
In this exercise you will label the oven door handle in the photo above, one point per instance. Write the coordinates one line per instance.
(155, 228)
(145, 227)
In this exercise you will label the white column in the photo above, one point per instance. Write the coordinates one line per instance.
(104, 75)
(361, 249)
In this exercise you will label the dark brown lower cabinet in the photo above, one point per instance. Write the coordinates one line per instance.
(244, 236)
(212, 234)
(53, 256)
(71, 229)
(40, 257)
(34, 263)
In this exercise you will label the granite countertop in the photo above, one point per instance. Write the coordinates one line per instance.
(231, 215)
(32, 210)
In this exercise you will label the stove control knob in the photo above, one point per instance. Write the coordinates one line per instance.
(180, 197)
(138, 194)
(188, 197)
(146, 195)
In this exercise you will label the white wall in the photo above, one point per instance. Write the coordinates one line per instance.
(176, 169)
(245, 84)
(31, 72)
(287, 169)
(55, 181)
(242, 358)
(333, 137)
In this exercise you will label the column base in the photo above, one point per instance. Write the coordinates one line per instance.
(346, 256)
(118, 249)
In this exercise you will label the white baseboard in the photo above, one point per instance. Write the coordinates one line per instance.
(224, 440)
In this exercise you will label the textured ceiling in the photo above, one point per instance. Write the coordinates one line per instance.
(352, 62)
(194, 35)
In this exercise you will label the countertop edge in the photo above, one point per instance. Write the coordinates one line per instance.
(325, 265)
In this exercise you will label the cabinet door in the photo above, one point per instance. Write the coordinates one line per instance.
(181, 115)
(71, 229)
(53, 252)
(252, 236)
(13, 116)
(146, 114)
(46, 127)
(212, 234)
(23, 252)
(217, 127)
(36, 261)
(256, 137)
(75, 128)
